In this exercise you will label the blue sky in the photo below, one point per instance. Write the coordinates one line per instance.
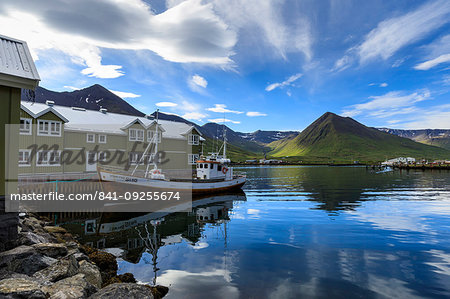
(257, 64)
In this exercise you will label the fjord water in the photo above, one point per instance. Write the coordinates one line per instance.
(307, 232)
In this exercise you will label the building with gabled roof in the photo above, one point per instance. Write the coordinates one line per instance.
(97, 135)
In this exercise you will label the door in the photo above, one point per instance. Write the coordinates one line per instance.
(91, 161)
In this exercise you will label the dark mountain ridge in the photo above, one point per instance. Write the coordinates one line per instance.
(93, 98)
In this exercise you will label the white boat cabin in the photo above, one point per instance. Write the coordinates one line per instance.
(213, 169)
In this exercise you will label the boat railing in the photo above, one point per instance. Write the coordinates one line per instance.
(168, 173)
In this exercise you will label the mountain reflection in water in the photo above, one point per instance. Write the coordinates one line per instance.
(296, 232)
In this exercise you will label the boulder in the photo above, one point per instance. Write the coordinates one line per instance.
(25, 260)
(107, 264)
(63, 268)
(124, 291)
(91, 273)
(30, 238)
(70, 288)
(51, 249)
(55, 229)
(16, 253)
(31, 264)
(81, 257)
(20, 288)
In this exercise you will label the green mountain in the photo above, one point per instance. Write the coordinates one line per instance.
(342, 140)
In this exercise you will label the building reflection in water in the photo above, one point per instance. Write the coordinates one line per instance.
(130, 235)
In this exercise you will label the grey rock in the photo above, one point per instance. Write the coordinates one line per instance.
(51, 249)
(31, 264)
(79, 256)
(16, 253)
(13, 288)
(124, 291)
(91, 272)
(70, 288)
(63, 268)
(30, 238)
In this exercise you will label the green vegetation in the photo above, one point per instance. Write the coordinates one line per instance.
(332, 138)
(235, 153)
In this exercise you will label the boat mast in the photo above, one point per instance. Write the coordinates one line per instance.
(157, 140)
(224, 142)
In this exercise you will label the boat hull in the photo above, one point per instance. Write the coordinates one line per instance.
(196, 187)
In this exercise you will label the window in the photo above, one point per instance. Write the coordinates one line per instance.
(48, 158)
(49, 127)
(102, 138)
(135, 157)
(25, 126)
(103, 156)
(193, 139)
(151, 134)
(211, 166)
(136, 135)
(219, 167)
(90, 138)
(192, 158)
(24, 157)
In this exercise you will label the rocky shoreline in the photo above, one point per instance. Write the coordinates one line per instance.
(47, 262)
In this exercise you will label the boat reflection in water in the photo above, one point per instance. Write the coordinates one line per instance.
(130, 235)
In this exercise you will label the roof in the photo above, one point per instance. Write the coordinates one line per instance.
(111, 123)
(17, 68)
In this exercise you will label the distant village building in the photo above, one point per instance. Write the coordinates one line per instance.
(400, 160)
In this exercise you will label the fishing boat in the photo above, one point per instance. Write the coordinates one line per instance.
(212, 174)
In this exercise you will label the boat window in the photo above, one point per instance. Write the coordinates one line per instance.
(211, 166)
(200, 165)
(206, 165)
(219, 167)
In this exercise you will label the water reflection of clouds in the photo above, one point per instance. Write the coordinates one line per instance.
(441, 263)
(206, 284)
(402, 216)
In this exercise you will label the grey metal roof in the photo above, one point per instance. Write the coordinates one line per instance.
(17, 68)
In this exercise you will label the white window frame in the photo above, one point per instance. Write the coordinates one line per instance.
(100, 138)
(49, 131)
(136, 157)
(87, 138)
(28, 162)
(192, 158)
(136, 135)
(48, 155)
(29, 122)
(151, 133)
(193, 139)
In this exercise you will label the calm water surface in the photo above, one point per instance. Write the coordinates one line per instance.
(335, 232)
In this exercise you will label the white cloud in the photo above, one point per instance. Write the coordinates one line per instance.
(287, 82)
(125, 95)
(384, 84)
(221, 108)
(199, 80)
(434, 117)
(223, 120)
(194, 116)
(197, 83)
(433, 62)
(166, 104)
(254, 113)
(392, 34)
(265, 21)
(389, 104)
(71, 87)
(188, 32)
